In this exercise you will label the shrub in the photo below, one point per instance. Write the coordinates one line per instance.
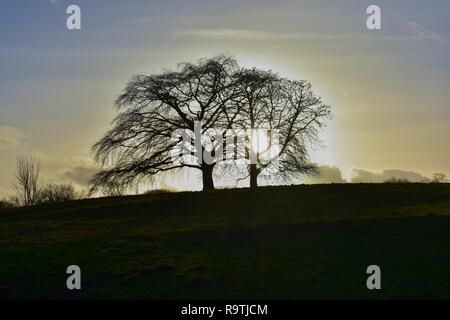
(439, 178)
(58, 193)
(397, 180)
(4, 204)
(158, 191)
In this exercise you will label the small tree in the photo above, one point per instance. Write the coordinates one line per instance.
(4, 204)
(26, 186)
(58, 193)
(396, 180)
(439, 178)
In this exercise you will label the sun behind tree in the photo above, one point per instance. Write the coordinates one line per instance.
(219, 95)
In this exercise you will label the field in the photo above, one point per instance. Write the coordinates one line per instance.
(293, 242)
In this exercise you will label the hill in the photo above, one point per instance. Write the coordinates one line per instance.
(294, 242)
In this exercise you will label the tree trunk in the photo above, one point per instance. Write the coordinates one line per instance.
(208, 182)
(253, 176)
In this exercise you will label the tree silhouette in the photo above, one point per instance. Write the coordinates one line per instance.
(152, 107)
(218, 95)
(58, 193)
(255, 87)
(286, 108)
(439, 178)
(27, 192)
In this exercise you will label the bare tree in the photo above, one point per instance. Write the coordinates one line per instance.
(219, 95)
(26, 186)
(396, 180)
(58, 193)
(288, 109)
(439, 178)
(152, 107)
(254, 90)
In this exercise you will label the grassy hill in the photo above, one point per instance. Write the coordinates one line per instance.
(276, 242)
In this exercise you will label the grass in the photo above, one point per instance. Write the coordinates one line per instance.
(289, 242)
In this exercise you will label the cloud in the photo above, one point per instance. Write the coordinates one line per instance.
(10, 137)
(237, 34)
(81, 172)
(327, 174)
(136, 21)
(366, 176)
(259, 35)
(332, 174)
(419, 32)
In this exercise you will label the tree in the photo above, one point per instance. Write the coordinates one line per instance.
(4, 204)
(396, 180)
(58, 193)
(439, 178)
(152, 107)
(254, 87)
(213, 95)
(287, 110)
(26, 186)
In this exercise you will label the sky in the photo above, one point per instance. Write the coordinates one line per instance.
(388, 88)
